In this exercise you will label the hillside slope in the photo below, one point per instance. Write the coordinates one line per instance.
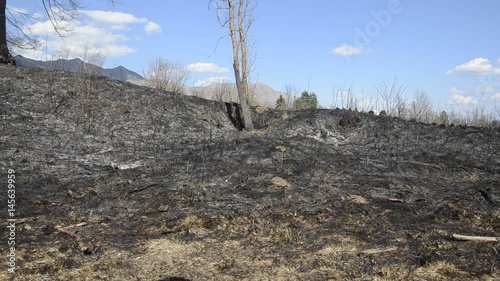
(261, 94)
(119, 182)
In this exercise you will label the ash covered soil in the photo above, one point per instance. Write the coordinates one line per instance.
(120, 182)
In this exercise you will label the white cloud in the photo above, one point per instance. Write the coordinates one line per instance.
(78, 39)
(458, 97)
(46, 28)
(211, 80)
(206, 68)
(456, 91)
(477, 66)
(119, 20)
(496, 97)
(17, 10)
(349, 50)
(114, 18)
(100, 32)
(37, 16)
(487, 89)
(462, 100)
(152, 27)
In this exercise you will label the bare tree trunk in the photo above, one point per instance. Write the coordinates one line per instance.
(240, 75)
(3, 22)
(4, 50)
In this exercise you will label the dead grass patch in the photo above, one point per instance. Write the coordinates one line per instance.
(280, 182)
(261, 109)
(340, 248)
(442, 270)
(358, 199)
(166, 257)
(281, 234)
(194, 221)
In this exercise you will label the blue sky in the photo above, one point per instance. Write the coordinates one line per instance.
(449, 49)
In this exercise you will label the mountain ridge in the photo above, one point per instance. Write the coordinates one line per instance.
(119, 73)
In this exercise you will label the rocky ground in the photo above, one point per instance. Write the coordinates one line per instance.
(120, 182)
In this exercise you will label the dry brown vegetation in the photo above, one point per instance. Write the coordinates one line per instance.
(391, 98)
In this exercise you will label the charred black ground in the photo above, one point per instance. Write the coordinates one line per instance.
(120, 182)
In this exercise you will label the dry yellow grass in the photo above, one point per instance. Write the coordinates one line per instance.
(358, 199)
(280, 182)
(442, 271)
(280, 148)
(261, 109)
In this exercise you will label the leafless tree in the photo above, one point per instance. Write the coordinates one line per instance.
(223, 92)
(59, 12)
(92, 66)
(166, 75)
(291, 95)
(198, 91)
(4, 50)
(497, 111)
(344, 97)
(392, 97)
(480, 116)
(237, 16)
(421, 108)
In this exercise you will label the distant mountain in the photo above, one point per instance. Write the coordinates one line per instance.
(262, 94)
(77, 65)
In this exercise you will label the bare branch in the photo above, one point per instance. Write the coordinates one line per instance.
(61, 11)
(167, 76)
(21, 40)
(476, 238)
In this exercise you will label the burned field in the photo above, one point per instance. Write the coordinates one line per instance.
(119, 182)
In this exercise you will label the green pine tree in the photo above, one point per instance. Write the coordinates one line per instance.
(281, 103)
(443, 118)
(306, 101)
